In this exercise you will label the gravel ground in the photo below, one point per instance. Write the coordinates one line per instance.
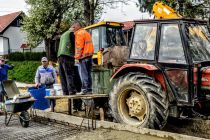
(197, 128)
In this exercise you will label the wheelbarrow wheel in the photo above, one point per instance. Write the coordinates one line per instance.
(24, 119)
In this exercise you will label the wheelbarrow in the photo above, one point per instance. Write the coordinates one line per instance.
(16, 103)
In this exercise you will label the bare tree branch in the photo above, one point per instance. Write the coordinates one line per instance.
(96, 4)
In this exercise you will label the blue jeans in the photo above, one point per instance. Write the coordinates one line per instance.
(85, 66)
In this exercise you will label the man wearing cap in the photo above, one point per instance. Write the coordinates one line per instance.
(45, 74)
(3, 76)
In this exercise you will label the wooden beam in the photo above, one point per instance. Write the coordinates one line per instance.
(91, 96)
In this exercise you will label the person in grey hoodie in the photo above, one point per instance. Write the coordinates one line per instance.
(45, 74)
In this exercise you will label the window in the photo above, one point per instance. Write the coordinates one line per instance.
(95, 39)
(115, 37)
(171, 49)
(199, 41)
(179, 80)
(104, 38)
(143, 46)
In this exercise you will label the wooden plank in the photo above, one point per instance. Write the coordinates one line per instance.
(101, 111)
(70, 100)
(52, 105)
(91, 96)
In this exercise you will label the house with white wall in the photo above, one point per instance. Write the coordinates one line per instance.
(11, 36)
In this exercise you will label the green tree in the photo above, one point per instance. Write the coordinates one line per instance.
(186, 8)
(46, 19)
(49, 18)
(93, 8)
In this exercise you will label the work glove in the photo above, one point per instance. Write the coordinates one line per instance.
(37, 85)
(76, 61)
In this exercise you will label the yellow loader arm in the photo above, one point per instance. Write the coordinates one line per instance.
(161, 10)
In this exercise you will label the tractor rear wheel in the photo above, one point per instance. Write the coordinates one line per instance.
(136, 99)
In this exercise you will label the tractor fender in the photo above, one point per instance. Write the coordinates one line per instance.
(133, 68)
(148, 69)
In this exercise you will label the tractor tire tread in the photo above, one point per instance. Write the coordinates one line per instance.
(157, 98)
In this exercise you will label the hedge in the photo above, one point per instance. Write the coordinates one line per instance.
(29, 56)
(24, 71)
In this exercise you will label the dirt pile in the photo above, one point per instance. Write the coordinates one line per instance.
(197, 128)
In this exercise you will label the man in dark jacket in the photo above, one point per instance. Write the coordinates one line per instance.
(66, 62)
(3, 74)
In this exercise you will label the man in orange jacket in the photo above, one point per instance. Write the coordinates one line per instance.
(83, 53)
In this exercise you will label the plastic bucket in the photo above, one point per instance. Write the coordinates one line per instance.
(39, 94)
(49, 92)
(58, 89)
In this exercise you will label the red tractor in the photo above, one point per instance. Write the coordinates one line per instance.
(167, 73)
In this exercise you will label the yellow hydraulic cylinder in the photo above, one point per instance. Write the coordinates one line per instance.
(99, 56)
(163, 11)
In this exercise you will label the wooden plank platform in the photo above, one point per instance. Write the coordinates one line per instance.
(91, 96)
(71, 98)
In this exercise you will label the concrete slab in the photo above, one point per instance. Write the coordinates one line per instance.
(116, 126)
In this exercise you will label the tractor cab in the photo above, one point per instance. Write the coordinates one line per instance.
(106, 34)
(109, 42)
(167, 73)
(180, 48)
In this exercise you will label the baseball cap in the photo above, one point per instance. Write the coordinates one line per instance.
(44, 59)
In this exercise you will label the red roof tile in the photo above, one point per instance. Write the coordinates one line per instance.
(24, 46)
(5, 20)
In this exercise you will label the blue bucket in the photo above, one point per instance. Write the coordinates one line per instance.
(39, 94)
(47, 92)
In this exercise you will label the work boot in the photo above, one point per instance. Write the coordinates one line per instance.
(84, 93)
(80, 93)
(88, 93)
(72, 93)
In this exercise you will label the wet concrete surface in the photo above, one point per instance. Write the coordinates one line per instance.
(109, 134)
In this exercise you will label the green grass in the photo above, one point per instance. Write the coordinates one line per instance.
(24, 71)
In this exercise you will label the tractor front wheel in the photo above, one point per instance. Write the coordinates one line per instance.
(136, 99)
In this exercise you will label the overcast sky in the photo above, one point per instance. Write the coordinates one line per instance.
(122, 13)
